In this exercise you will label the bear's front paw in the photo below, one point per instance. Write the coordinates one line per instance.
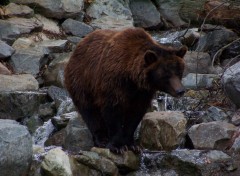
(117, 149)
(136, 148)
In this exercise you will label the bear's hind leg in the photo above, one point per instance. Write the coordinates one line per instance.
(96, 125)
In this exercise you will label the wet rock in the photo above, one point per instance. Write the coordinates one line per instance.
(197, 62)
(56, 163)
(231, 83)
(66, 106)
(16, 148)
(13, 9)
(145, 14)
(4, 70)
(187, 162)
(18, 82)
(46, 110)
(187, 37)
(42, 133)
(217, 114)
(212, 135)
(19, 105)
(29, 60)
(214, 40)
(55, 8)
(197, 81)
(49, 25)
(53, 75)
(56, 139)
(5, 50)
(57, 94)
(93, 160)
(167, 130)
(236, 118)
(32, 123)
(76, 28)
(13, 28)
(61, 121)
(78, 136)
(109, 14)
(126, 162)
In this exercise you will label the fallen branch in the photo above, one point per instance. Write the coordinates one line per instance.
(219, 52)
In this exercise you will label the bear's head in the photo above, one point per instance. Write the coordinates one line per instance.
(165, 68)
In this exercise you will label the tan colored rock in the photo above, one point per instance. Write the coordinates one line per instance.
(18, 82)
(56, 163)
(128, 161)
(4, 70)
(163, 130)
(93, 160)
(13, 9)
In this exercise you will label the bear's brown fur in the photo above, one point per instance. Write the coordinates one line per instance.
(112, 77)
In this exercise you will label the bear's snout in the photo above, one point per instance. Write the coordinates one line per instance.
(180, 92)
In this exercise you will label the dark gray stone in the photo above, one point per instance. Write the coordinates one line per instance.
(76, 28)
(78, 136)
(145, 14)
(29, 60)
(19, 105)
(231, 83)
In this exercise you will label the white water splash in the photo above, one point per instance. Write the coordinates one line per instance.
(42, 133)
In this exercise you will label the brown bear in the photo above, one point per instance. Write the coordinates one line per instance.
(112, 77)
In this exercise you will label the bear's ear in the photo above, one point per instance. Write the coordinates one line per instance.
(182, 51)
(150, 57)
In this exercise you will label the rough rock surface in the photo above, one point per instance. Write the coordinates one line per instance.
(16, 148)
(231, 83)
(167, 130)
(212, 135)
(56, 8)
(56, 163)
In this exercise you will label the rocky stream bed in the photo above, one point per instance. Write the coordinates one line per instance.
(41, 134)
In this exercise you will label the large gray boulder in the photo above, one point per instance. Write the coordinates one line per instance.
(231, 83)
(145, 14)
(55, 8)
(16, 148)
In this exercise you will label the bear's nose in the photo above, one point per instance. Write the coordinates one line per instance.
(180, 92)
